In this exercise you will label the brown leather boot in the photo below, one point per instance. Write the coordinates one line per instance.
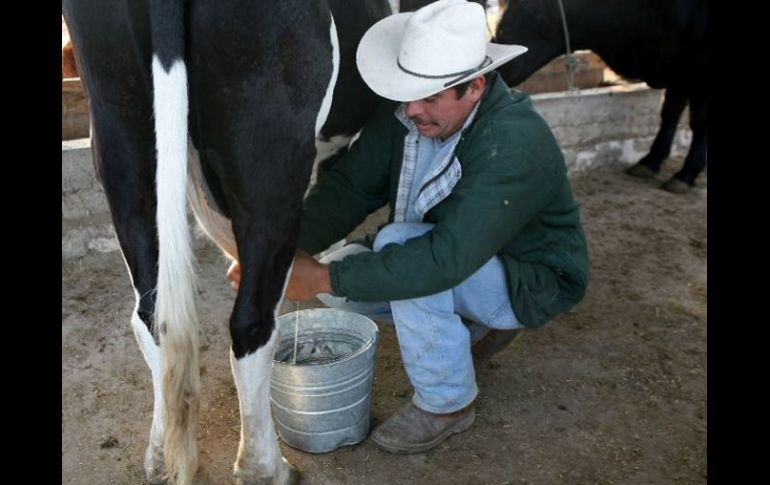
(491, 343)
(413, 430)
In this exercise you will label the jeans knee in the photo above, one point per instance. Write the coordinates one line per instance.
(399, 232)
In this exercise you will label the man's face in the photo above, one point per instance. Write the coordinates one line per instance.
(442, 114)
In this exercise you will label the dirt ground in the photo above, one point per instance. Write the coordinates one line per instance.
(614, 392)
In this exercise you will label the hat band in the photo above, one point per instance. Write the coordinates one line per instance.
(455, 75)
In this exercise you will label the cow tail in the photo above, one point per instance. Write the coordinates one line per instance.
(175, 313)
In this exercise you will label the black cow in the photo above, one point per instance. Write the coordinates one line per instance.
(662, 42)
(243, 87)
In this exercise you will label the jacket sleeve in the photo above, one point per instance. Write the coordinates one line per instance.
(502, 190)
(355, 186)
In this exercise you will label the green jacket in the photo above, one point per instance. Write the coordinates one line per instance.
(513, 199)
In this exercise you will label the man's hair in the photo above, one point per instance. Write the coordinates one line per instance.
(462, 88)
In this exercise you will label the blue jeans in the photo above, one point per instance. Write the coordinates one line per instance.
(435, 341)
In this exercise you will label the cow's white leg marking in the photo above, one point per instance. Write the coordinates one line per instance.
(154, 465)
(259, 457)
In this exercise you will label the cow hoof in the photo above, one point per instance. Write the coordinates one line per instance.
(675, 186)
(641, 171)
(154, 466)
(287, 475)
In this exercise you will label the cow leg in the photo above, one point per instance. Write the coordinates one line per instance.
(265, 222)
(264, 209)
(266, 241)
(123, 142)
(260, 92)
(128, 181)
(674, 101)
(695, 161)
(134, 221)
(259, 458)
(154, 467)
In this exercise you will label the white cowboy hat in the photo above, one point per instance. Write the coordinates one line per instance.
(413, 55)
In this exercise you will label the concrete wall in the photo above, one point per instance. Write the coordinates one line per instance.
(86, 223)
(595, 127)
(75, 119)
(608, 126)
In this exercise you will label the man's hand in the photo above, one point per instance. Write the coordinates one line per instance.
(308, 278)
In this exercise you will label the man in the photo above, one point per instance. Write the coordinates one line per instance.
(484, 231)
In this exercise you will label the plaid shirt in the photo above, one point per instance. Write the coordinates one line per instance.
(443, 176)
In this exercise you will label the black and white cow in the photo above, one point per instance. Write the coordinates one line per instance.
(662, 42)
(221, 103)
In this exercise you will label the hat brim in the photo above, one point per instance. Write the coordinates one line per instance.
(377, 58)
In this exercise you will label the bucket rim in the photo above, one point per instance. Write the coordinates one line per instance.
(364, 348)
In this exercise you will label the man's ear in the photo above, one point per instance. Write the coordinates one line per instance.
(476, 88)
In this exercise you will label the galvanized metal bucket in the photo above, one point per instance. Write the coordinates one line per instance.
(323, 401)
